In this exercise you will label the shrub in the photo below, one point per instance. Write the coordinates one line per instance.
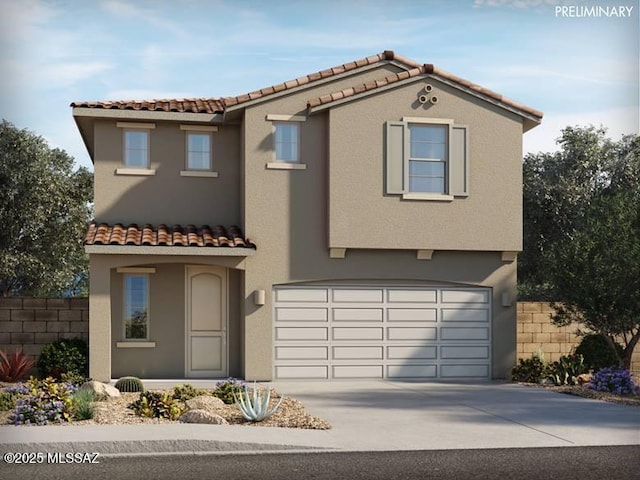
(14, 366)
(613, 380)
(74, 379)
(187, 392)
(64, 356)
(130, 384)
(158, 405)
(531, 370)
(83, 404)
(227, 389)
(7, 401)
(567, 369)
(47, 401)
(597, 353)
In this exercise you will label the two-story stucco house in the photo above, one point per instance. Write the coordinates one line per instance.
(358, 222)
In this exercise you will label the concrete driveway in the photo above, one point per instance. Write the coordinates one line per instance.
(370, 416)
(405, 416)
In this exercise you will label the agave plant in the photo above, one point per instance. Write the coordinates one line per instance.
(254, 405)
(14, 366)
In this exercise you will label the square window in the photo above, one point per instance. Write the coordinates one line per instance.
(287, 142)
(198, 151)
(136, 307)
(136, 148)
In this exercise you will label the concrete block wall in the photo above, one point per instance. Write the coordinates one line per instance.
(28, 324)
(535, 332)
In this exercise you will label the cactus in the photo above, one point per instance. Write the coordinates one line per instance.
(130, 384)
(255, 407)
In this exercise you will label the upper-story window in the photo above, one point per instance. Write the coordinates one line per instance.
(198, 151)
(427, 159)
(287, 142)
(199, 159)
(136, 148)
(286, 134)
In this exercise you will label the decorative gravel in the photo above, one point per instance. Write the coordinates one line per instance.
(114, 411)
(586, 392)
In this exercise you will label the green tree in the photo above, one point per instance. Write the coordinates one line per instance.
(582, 234)
(595, 272)
(44, 209)
(558, 189)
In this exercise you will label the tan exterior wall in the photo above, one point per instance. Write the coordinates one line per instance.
(361, 215)
(536, 333)
(167, 316)
(28, 324)
(167, 197)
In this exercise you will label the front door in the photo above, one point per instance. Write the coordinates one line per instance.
(206, 319)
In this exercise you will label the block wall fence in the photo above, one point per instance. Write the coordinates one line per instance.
(28, 324)
(536, 332)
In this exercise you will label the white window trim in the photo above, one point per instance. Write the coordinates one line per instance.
(134, 271)
(196, 172)
(128, 125)
(280, 165)
(135, 344)
(135, 171)
(408, 195)
(285, 118)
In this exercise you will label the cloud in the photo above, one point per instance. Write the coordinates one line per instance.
(132, 12)
(618, 122)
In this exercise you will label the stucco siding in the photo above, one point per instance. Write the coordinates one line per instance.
(362, 215)
(167, 197)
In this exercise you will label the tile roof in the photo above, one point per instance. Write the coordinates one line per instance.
(188, 105)
(219, 105)
(161, 235)
(414, 72)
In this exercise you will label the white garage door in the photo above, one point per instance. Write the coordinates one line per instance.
(382, 332)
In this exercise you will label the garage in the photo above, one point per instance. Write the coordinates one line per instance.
(390, 332)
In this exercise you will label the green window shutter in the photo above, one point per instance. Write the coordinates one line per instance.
(459, 161)
(395, 158)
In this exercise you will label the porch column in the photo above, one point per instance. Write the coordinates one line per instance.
(99, 318)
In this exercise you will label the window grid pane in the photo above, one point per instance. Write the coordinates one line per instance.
(427, 158)
(198, 151)
(136, 148)
(136, 306)
(286, 142)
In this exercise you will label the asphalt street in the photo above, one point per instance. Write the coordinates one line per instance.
(583, 463)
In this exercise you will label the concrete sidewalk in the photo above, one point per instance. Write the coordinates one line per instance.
(370, 416)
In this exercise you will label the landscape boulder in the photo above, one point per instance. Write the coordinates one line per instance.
(208, 403)
(202, 416)
(101, 391)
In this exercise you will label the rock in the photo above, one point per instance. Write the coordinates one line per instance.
(584, 378)
(202, 416)
(207, 403)
(101, 391)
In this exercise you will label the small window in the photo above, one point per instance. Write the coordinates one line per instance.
(136, 307)
(287, 142)
(136, 148)
(198, 151)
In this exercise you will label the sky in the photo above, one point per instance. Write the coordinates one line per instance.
(548, 54)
